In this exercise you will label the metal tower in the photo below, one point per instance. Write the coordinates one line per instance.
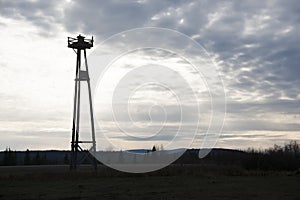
(80, 44)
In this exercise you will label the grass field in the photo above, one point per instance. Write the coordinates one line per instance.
(174, 182)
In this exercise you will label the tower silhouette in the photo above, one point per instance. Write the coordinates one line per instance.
(80, 44)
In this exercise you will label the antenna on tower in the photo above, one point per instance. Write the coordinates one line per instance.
(80, 44)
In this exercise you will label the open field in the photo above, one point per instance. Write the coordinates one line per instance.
(174, 182)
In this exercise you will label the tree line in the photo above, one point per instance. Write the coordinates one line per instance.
(277, 158)
(286, 157)
(10, 158)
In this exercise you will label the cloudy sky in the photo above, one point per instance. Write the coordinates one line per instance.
(254, 43)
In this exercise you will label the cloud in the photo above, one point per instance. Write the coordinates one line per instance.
(261, 37)
(106, 18)
(45, 15)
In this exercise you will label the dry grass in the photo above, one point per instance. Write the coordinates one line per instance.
(173, 182)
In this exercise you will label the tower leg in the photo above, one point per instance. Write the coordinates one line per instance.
(72, 162)
(91, 114)
(76, 115)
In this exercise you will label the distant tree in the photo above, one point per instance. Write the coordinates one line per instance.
(121, 157)
(134, 158)
(5, 157)
(154, 148)
(145, 156)
(292, 148)
(10, 157)
(37, 159)
(44, 159)
(15, 157)
(66, 159)
(27, 160)
(162, 147)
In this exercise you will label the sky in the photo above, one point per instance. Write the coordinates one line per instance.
(255, 45)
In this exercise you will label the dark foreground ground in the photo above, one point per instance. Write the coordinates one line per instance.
(173, 182)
